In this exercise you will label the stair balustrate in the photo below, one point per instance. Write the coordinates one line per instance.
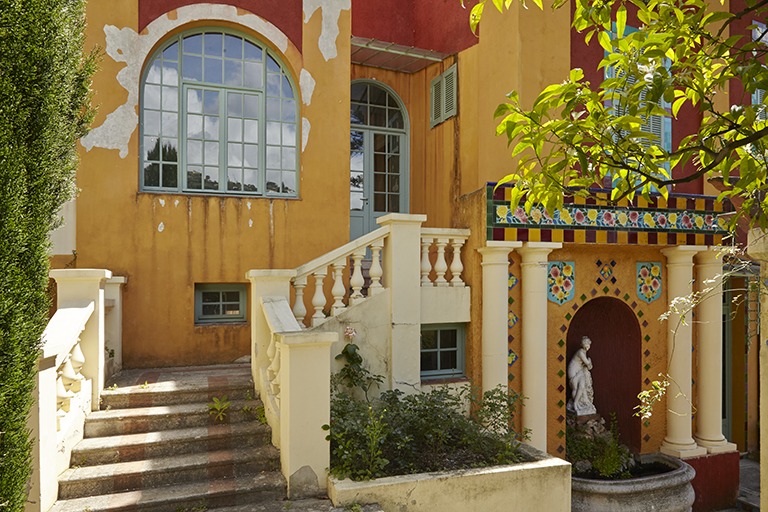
(318, 300)
(339, 290)
(299, 309)
(357, 280)
(442, 240)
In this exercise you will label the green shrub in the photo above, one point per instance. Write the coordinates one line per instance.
(428, 431)
(44, 96)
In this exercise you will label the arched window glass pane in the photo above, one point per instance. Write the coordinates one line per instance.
(217, 118)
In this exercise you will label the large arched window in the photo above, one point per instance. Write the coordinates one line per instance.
(219, 115)
(378, 155)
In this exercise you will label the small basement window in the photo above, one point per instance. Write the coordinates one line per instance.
(442, 350)
(219, 303)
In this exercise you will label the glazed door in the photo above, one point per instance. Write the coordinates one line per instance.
(376, 180)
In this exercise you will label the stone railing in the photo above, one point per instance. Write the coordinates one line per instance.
(71, 374)
(293, 378)
(335, 263)
(447, 244)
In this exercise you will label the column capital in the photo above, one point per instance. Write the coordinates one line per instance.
(712, 256)
(497, 253)
(682, 254)
(533, 252)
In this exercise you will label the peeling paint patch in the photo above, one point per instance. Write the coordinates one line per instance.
(250, 223)
(125, 45)
(305, 126)
(307, 85)
(331, 10)
(249, 204)
(162, 202)
(176, 203)
(161, 227)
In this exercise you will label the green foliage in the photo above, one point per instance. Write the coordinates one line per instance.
(609, 458)
(354, 374)
(219, 407)
(44, 98)
(577, 133)
(261, 415)
(428, 431)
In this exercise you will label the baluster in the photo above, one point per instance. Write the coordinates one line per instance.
(426, 266)
(299, 309)
(338, 289)
(318, 299)
(376, 271)
(456, 265)
(275, 370)
(357, 281)
(440, 265)
(77, 357)
(62, 395)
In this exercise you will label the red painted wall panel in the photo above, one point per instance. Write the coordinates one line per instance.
(285, 15)
(441, 25)
(716, 482)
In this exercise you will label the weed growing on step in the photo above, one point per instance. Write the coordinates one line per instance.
(352, 507)
(429, 431)
(261, 415)
(218, 408)
(112, 387)
(199, 508)
(145, 385)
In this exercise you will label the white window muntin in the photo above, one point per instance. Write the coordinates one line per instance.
(273, 86)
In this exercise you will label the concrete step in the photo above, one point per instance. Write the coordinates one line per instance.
(181, 469)
(116, 422)
(194, 389)
(166, 443)
(197, 496)
(305, 505)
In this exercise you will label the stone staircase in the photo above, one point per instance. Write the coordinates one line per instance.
(154, 446)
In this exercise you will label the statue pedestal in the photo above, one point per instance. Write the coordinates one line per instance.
(587, 417)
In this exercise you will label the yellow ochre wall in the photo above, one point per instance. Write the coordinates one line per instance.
(207, 238)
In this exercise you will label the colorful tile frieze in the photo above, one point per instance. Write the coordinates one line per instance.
(513, 319)
(659, 220)
(512, 280)
(648, 281)
(511, 358)
(561, 281)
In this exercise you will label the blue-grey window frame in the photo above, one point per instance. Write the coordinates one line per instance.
(201, 319)
(459, 371)
(182, 86)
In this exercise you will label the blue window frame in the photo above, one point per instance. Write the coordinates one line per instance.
(442, 350)
(218, 115)
(220, 303)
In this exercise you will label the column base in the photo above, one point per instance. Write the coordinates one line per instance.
(682, 451)
(721, 446)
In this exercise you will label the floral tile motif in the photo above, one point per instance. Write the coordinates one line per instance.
(512, 319)
(561, 281)
(511, 358)
(648, 281)
(606, 271)
(512, 280)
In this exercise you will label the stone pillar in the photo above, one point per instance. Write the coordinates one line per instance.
(495, 311)
(76, 288)
(679, 441)
(402, 275)
(534, 346)
(709, 333)
(757, 247)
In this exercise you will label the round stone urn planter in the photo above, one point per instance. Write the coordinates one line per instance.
(666, 492)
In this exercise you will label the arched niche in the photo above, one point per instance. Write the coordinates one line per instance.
(616, 361)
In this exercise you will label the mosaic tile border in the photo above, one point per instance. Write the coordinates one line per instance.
(679, 220)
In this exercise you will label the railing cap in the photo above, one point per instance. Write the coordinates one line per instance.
(307, 339)
(117, 280)
(65, 327)
(80, 273)
(271, 274)
(401, 218)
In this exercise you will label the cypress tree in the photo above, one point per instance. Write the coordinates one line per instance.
(45, 79)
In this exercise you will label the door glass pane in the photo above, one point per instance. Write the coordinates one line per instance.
(380, 202)
(394, 203)
(356, 201)
(379, 182)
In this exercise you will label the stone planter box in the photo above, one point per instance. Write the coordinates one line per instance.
(667, 492)
(544, 483)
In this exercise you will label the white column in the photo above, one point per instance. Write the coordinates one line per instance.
(709, 333)
(494, 338)
(78, 287)
(534, 347)
(679, 441)
(757, 247)
(402, 275)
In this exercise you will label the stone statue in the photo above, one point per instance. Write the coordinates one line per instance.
(580, 379)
